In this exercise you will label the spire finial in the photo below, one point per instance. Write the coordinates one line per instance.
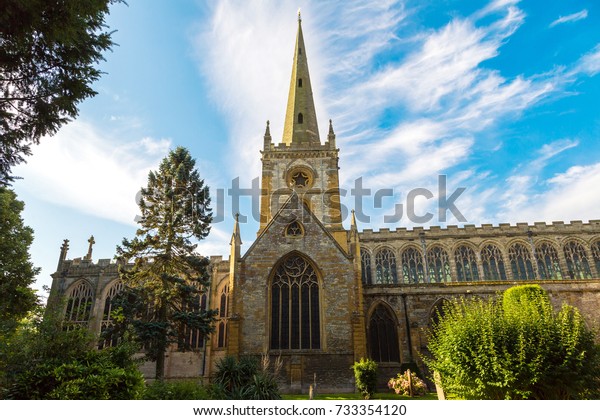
(268, 130)
(63, 253)
(236, 239)
(299, 16)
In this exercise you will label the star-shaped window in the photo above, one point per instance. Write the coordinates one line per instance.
(300, 179)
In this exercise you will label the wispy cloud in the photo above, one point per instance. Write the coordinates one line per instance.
(84, 168)
(567, 197)
(574, 17)
(437, 83)
(589, 63)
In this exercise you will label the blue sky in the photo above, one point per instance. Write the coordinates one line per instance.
(502, 97)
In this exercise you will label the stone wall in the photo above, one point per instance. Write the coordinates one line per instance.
(338, 299)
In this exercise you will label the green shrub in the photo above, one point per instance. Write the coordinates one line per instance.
(175, 390)
(517, 348)
(401, 385)
(94, 375)
(43, 361)
(516, 298)
(365, 375)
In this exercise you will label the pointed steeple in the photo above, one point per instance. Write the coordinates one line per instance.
(300, 126)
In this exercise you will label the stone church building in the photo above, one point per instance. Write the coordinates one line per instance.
(321, 295)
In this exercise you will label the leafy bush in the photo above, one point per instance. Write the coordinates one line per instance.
(516, 298)
(401, 384)
(175, 390)
(43, 361)
(94, 375)
(517, 348)
(365, 374)
(245, 379)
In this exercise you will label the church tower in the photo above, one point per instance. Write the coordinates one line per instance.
(300, 164)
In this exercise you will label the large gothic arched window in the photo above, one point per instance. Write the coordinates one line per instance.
(412, 266)
(439, 265)
(79, 305)
(548, 263)
(365, 264)
(107, 319)
(466, 264)
(596, 256)
(493, 263)
(383, 336)
(520, 262)
(577, 262)
(295, 317)
(385, 267)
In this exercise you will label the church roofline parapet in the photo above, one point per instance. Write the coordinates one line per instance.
(284, 151)
(484, 230)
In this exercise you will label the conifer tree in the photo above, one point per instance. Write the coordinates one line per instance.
(164, 275)
(49, 51)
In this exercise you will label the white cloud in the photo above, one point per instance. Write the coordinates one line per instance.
(437, 80)
(590, 62)
(83, 168)
(569, 197)
(574, 17)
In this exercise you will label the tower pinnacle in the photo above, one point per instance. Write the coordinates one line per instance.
(300, 126)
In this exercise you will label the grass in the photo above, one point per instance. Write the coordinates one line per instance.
(377, 396)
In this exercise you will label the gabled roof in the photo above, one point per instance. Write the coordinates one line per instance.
(293, 201)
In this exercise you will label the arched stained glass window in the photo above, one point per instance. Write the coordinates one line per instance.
(193, 338)
(383, 336)
(596, 256)
(295, 317)
(107, 320)
(79, 306)
(577, 261)
(439, 265)
(385, 267)
(492, 263)
(365, 263)
(520, 262)
(222, 322)
(466, 264)
(412, 266)
(547, 260)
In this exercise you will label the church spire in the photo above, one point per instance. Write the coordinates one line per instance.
(300, 126)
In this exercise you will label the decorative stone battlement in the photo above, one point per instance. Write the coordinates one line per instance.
(485, 230)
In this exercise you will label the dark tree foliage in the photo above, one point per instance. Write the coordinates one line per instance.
(164, 275)
(49, 50)
(17, 273)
